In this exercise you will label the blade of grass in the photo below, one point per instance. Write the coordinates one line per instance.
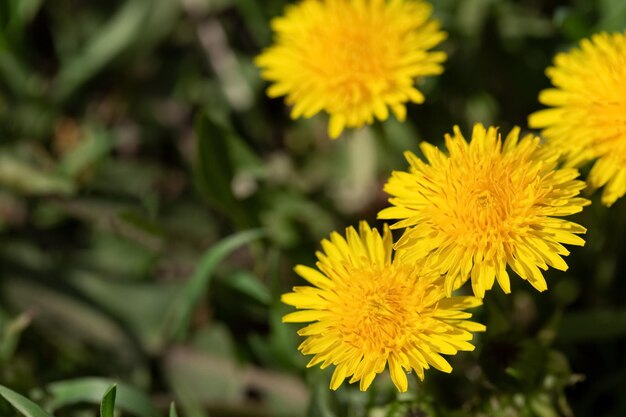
(22, 404)
(173, 412)
(15, 75)
(248, 283)
(10, 335)
(178, 321)
(92, 390)
(21, 13)
(107, 406)
(106, 44)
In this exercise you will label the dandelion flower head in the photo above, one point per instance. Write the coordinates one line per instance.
(485, 205)
(369, 311)
(587, 118)
(353, 59)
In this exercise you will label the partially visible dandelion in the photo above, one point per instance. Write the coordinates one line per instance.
(588, 115)
(369, 311)
(484, 206)
(353, 59)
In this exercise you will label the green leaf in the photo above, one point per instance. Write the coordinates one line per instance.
(253, 15)
(247, 283)
(138, 305)
(27, 9)
(105, 45)
(15, 74)
(217, 148)
(107, 406)
(613, 15)
(22, 404)
(17, 13)
(289, 212)
(24, 178)
(173, 412)
(178, 322)
(82, 321)
(18, 76)
(10, 333)
(92, 390)
(162, 19)
(213, 169)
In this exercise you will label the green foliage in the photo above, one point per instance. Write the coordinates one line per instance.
(90, 391)
(11, 329)
(191, 294)
(154, 201)
(22, 404)
(107, 406)
(173, 412)
(107, 393)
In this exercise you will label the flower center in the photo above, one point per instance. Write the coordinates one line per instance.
(353, 59)
(379, 312)
(487, 202)
(356, 51)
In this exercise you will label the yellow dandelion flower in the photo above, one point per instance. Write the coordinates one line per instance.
(353, 59)
(588, 115)
(485, 206)
(369, 311)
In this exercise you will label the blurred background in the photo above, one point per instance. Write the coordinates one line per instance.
(153, 202)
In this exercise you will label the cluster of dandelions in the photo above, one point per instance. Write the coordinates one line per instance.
(484, 207)
(468, 214)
